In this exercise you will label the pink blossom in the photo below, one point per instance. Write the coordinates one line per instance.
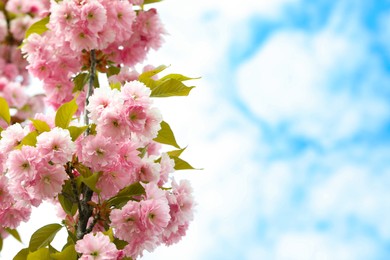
(153, 192)
(154, 215)
(136, 93)
(121, 15)
(96, 247)
(3, 27)
(11, 137)
(22, 164)
(150, 28)
(152, 123)
(136, 2)
(126, 220)
(6, 198)
(82, 39)
(15, 95)
(18, 6)
(34, 105)
(110, 182)
(153, 148)
(129, 159)
(167, 167)
(101, 99)
(126, 74)
(24, 191)
(181, 205)
(112, 123)
(149, 171)
(136, 118)
(50, 179)
(56, 146)
(14, 214)
(19, 25)
(98, 152)
(64, 15)
(94, 16)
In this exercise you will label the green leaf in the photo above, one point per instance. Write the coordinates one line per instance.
(96, 83)
(146, 2)
(83, 170)
(4, 110)
(120, 244)
(69, 253)
(72, 239)
(1, 243)
(142, 151)
(126, 194)
(30, 139)
(14, 233)
(166, 136)
(110, 234)
(43, 236)
(76, 131)
(52, 250)
(40, 126)
(151, 73)
(91, 181)
(22, 254)
(113, 70)
(41, 254)
(65, 113)
(178, 77)
(92, 130)
(180, 164)
(79, 81)
(116, 86)
(69, 207)
(38, 27)
(176, 153)
(146, 76)
(66, 198)
(169, 88)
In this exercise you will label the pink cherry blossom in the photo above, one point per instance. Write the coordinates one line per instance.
(98, 152)
(15, 95)
(56, 146)
(97, 247)
(12, 216)
(181, 205)
(50, 179)
(93, 16)
(22, 164)
(11, 137)
(126, 220)
(167, 167)
(136, 93)
(101, 99)
(154, 215)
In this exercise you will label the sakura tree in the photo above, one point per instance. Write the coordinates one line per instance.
(102, 157)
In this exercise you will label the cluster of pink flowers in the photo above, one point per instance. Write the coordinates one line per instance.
(15, 17)
(82, 166)
(162, 216)
(32, 173)
(125, 122)
(122, 36)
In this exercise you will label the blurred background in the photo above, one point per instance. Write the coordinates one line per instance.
(291, 123)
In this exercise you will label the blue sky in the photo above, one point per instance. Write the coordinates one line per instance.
(291, 121)
(291, 124)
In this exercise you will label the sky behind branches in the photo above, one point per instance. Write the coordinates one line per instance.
(291, 123)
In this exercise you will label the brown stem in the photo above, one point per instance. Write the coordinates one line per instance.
(85, 210)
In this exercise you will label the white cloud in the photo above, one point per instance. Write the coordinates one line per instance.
(293, 79)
